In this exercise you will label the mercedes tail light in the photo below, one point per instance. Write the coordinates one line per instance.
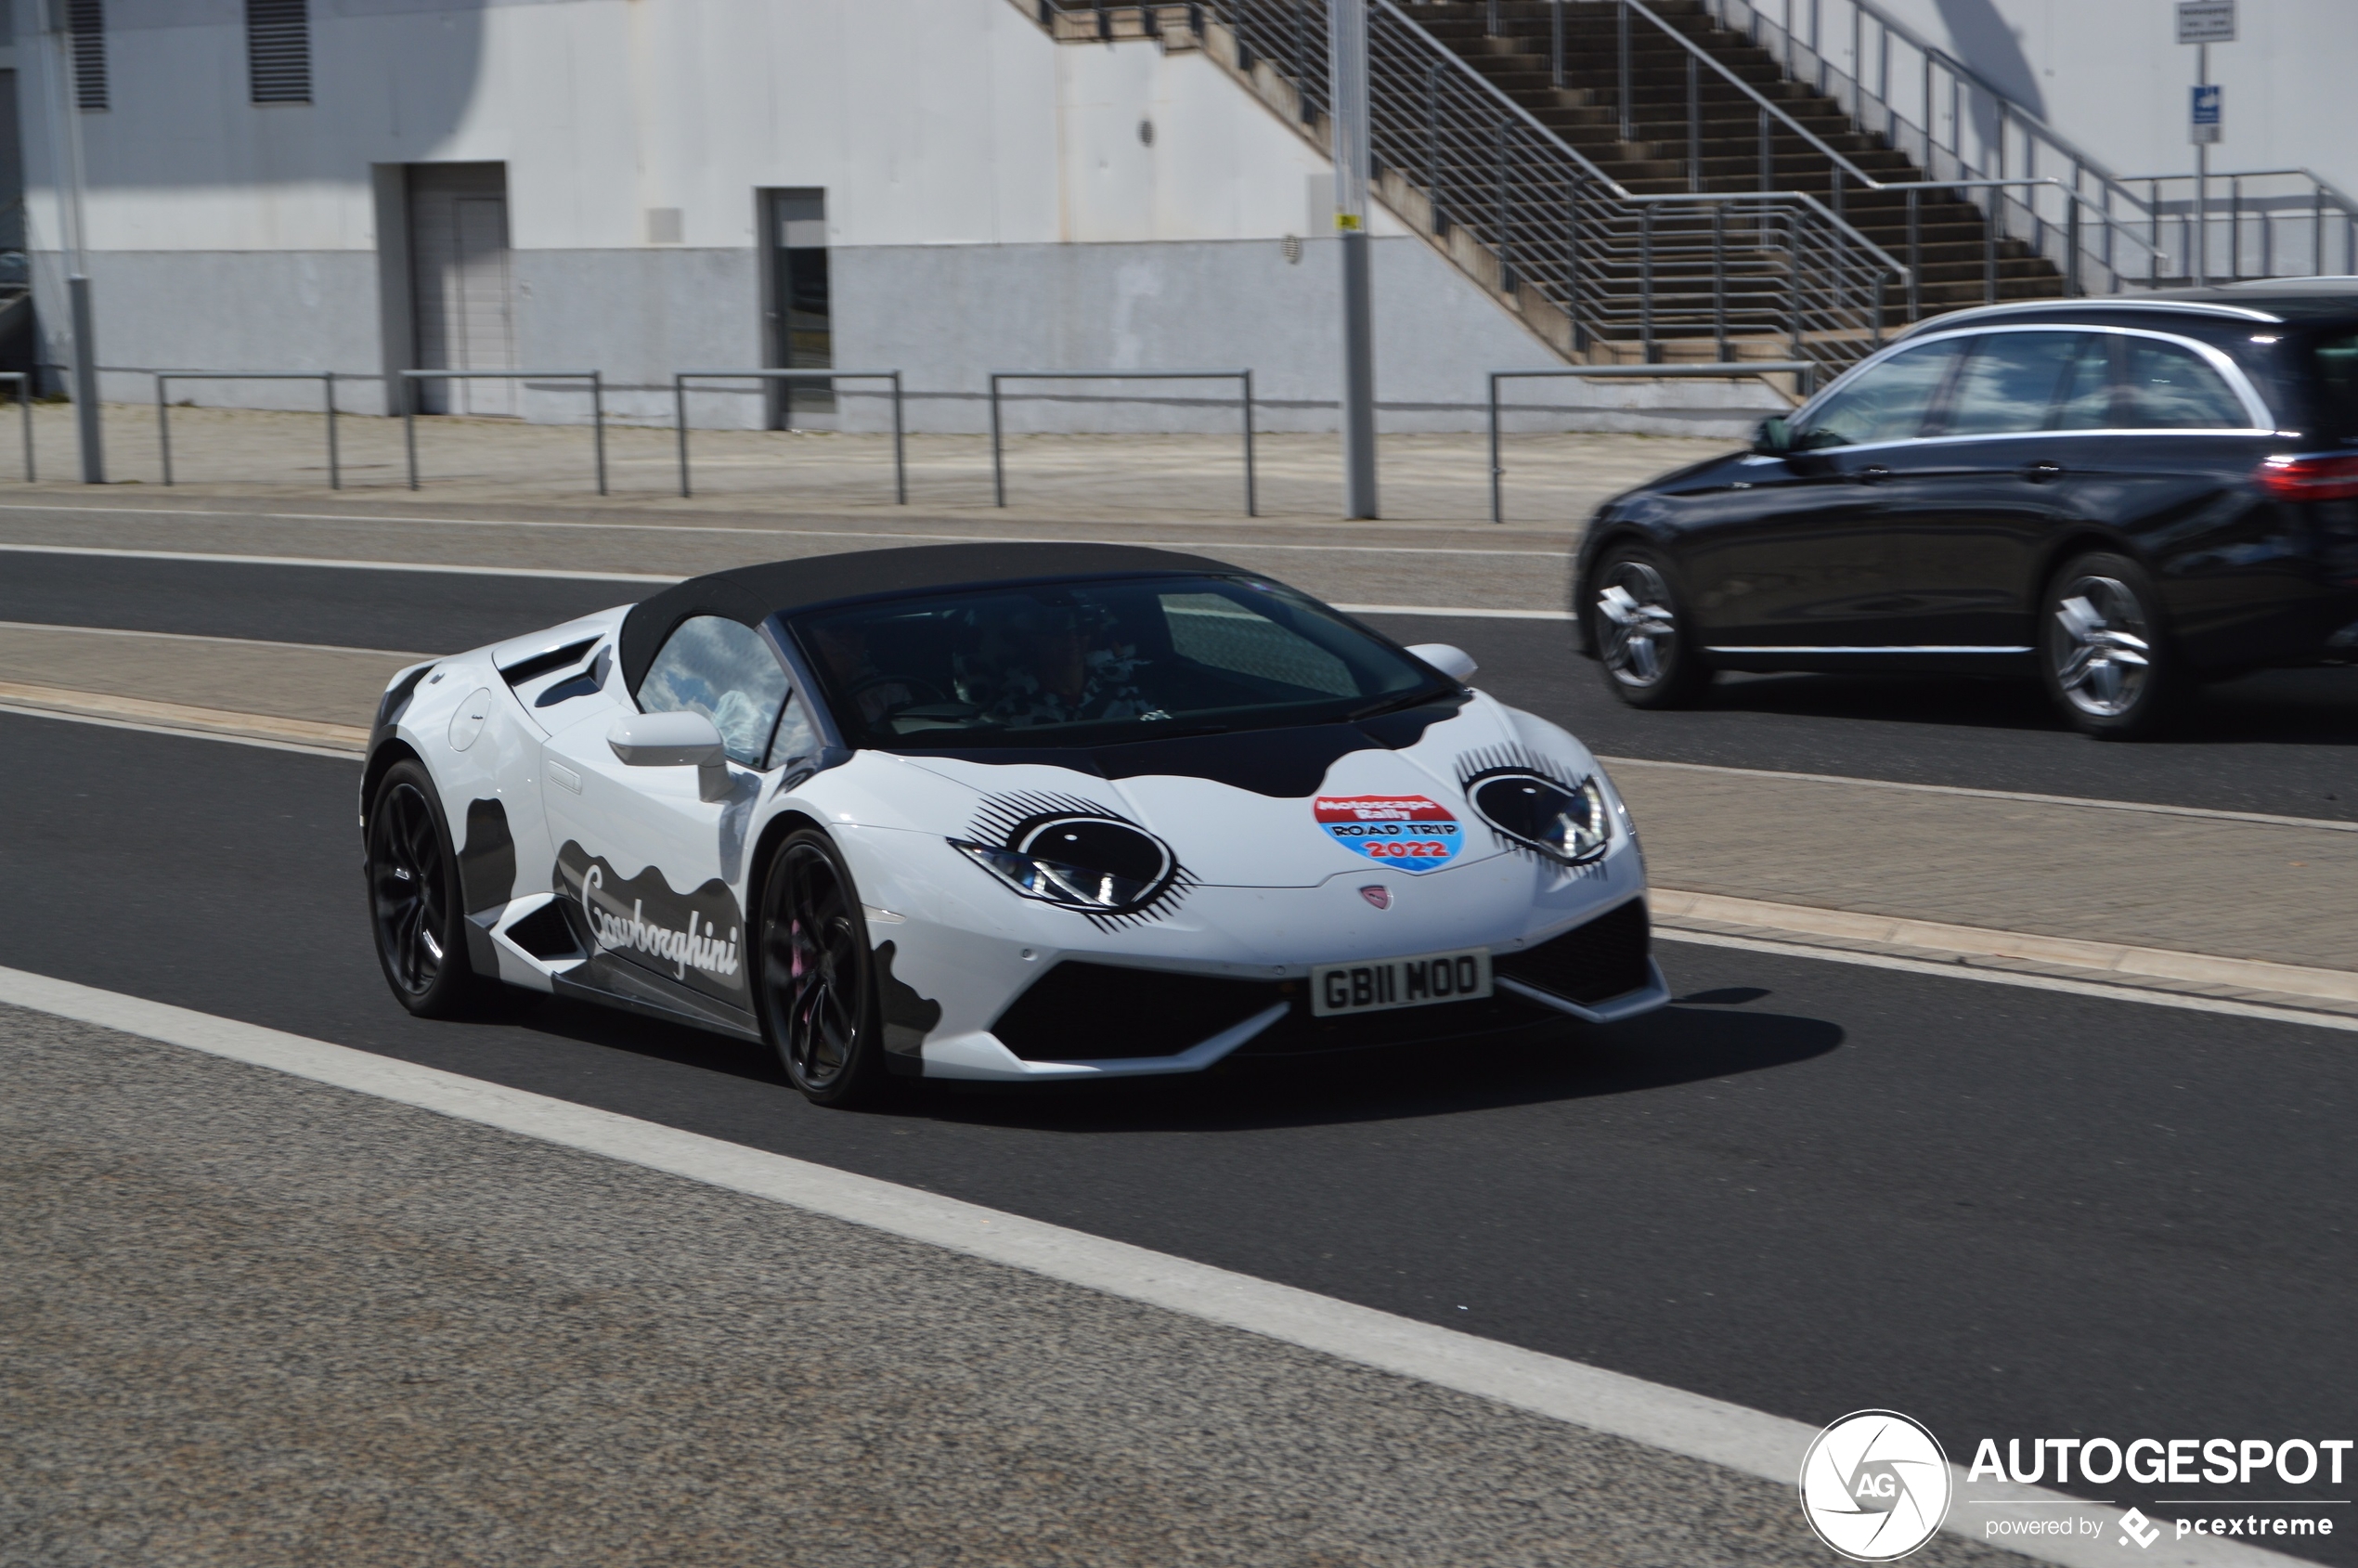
(2311, 478)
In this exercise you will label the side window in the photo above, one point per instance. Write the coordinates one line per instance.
(2009, 384)
(724, 671)
(2168, 386)
(2089, 388)
(1888, 403)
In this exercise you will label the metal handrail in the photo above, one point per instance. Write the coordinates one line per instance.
(597, 380)
(1804, 372)
(998, 465)
(680, 380)
(327, 379)
(2196, 219)
(2019, 219)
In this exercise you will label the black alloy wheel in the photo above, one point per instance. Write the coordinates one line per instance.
(2106, 661)
(1641, 634)
(414, 900)
(818, 983)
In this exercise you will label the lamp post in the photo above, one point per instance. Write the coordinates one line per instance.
(1347, 91)
(66, 157)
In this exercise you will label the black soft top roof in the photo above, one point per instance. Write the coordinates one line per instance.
(752, 594)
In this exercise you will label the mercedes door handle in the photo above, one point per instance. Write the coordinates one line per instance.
(1873, 473)
(2042, 471)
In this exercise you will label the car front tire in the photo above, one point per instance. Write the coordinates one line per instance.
(415, 903)
(817, 980)
(2104, 651)
(1643, 637)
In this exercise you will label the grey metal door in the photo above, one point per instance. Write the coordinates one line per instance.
(460, 282)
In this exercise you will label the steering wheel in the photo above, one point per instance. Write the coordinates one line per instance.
(906, 683)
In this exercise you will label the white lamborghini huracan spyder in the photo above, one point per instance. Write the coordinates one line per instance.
(998, 812)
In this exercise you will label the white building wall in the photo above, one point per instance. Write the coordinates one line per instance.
(991, 202)
(2110, 75)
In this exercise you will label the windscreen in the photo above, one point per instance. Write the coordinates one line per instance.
(1099, 664)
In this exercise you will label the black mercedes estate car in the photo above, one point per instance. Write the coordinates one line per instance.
(2122, 496)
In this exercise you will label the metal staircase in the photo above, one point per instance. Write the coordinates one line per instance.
(1656, 181)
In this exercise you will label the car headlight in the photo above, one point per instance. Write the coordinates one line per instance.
(1094, 865)
(1567, 824)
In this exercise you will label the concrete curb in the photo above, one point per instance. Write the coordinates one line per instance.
(1673, 906)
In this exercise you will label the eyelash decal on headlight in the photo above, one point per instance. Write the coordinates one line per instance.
(1525, 801)
(1077, 855)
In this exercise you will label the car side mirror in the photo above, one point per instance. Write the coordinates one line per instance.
(674, 739)
(1451, 660)
(1774, 437)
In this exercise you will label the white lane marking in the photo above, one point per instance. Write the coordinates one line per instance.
(201, 637)
(1454, 610)
(1562, 554)
(22, 711)
(334, 562)
(602, 577)
(2206, 811)
(2010, 976)
(1750, 1442)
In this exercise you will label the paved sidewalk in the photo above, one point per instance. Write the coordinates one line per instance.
(246, 1318)
(1552, 480)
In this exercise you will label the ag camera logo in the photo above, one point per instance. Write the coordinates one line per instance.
(1875, 1485)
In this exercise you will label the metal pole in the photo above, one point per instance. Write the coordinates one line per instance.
(2071, 244)
(679, 420)
(1556, 43)
(899, 468)
(1694, 128)
(335, 460)
(56, 63)
(1251, 505)
(998, 467)
(1915, 257)
(597, 422)
(1347, 57)
(1495, 503)
(1646, 281)
(25, 402)
(1719, 276)
(163, 430)
(2201, 261)
(1627, 124)
(409, 423)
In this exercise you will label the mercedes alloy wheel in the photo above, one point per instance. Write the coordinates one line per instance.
(1635, 620)
(2104, 659)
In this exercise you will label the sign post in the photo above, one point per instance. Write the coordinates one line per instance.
(2203, 23)
(1347, 88)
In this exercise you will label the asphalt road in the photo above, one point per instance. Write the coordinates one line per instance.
(1809, 1187)
(2283, 742)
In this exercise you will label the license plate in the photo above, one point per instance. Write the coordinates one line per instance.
(1399, 982)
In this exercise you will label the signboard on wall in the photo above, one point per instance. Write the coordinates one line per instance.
(2205, 22)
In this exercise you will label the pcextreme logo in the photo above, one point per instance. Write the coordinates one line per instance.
(1874, 1485)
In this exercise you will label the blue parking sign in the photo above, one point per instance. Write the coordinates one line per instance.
(2204, 122)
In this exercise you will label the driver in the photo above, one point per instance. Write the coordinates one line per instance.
(874, 691)
(1073, 673)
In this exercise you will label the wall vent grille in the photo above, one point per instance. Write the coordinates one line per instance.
(87, 22)
(278, 50)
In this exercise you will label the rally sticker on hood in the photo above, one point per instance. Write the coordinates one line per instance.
(1407, 831)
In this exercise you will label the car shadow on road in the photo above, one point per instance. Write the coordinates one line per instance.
(1681, 1044)
(1694, 1040)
